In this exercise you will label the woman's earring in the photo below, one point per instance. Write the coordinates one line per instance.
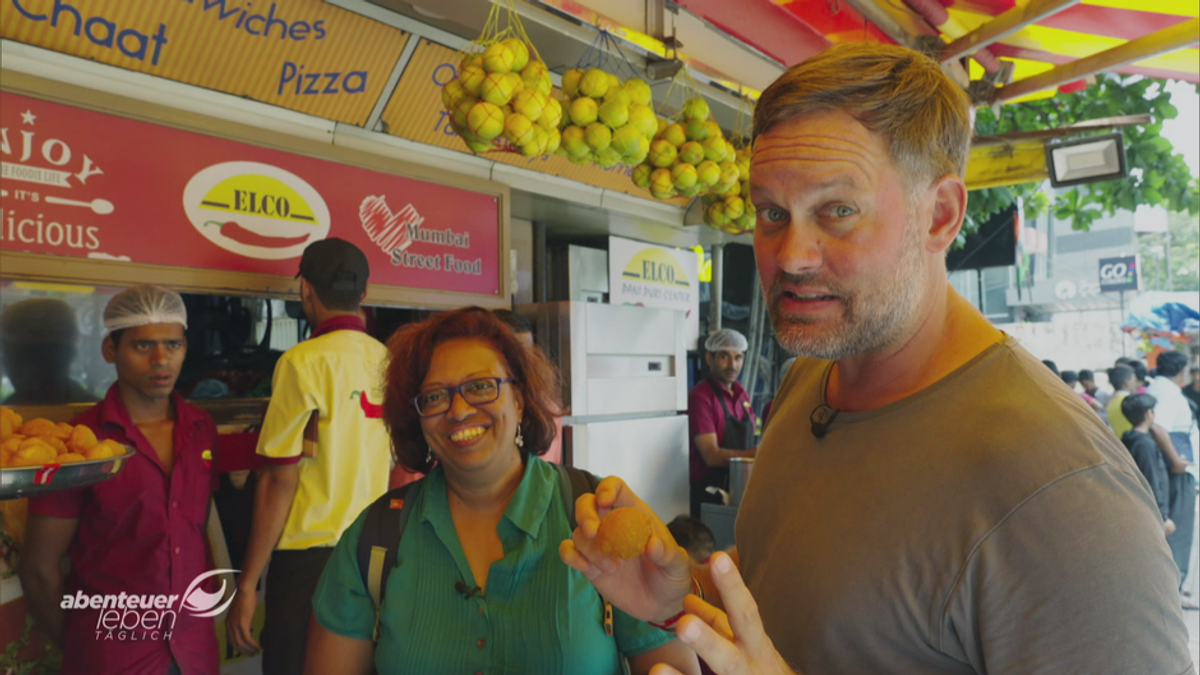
(520, 438)
(429, 455)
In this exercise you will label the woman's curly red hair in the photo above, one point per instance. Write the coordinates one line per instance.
(410, 350)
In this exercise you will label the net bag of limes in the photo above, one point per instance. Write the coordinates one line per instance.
(501, 99)
(608, 121)
(727, 207)
(689, 155)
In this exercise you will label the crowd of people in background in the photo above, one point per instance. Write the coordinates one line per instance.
(1155, 412)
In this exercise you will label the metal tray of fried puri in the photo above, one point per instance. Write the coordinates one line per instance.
(23, 481)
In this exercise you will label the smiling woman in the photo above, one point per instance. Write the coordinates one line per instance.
(476, 332)
(472, 407)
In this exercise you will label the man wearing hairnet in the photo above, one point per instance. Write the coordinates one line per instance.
(140, 533)
(720, 418)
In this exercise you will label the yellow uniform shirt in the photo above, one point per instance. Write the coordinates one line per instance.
(1116, 418)
(336, 377)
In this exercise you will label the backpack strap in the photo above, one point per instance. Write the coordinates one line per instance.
(379, 543)
(572, 484)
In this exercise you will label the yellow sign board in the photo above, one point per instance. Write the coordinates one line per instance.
(305, 55)
(999, 165)
(415, 112)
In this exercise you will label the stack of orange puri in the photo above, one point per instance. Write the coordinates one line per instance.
(40, 441)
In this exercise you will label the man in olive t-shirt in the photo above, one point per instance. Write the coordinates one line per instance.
(928, 498)
(993, 522)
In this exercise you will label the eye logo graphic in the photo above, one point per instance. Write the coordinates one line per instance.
(201, 603)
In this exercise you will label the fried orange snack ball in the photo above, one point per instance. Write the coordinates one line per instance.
(82, 439)
(105, 449)
(624, 532)
(10, 421)
(69, 457)
(35, 441)
(38, 427)
(8, 451)
(34, 452)
(54, 442)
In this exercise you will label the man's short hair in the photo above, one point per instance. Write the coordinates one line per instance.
(1171, 364)
(1139, 370)
(1069, 377)
(38, 321)
(517, 322)
(693, 535)
(1122, 361)
(898, 93)
(1087, 376)
(1051, 365)
(1119, 376)
(1135, 406)
(337, 271)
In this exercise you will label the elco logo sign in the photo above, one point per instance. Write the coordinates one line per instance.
(1119, 274)
(133, 617)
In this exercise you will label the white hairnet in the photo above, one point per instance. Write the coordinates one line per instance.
(142, 306)
(726, 339)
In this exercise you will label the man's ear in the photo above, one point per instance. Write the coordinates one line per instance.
(364, 295)
(949, 210)
(108, 349)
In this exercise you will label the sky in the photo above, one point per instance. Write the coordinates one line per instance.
(1184, 130)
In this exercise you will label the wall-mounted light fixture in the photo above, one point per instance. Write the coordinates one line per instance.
(1086, 160)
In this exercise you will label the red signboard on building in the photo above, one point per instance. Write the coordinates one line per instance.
(85, 184)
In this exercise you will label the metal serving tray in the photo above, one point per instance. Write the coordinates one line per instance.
(22, 481)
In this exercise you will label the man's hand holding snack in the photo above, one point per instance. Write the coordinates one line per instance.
(733, 643)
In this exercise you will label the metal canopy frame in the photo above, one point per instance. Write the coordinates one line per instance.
(1050, 42)
(1166, 40)
(1100, 124)
(1002, 26)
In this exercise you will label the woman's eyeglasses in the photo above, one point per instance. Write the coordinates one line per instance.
(474, 392)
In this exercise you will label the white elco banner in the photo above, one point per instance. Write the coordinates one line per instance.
(646, 275)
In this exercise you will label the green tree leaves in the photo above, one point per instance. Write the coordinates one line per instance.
(1185, 255)
(1158, 175)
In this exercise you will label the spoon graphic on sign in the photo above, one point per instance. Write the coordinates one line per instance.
(101, 207)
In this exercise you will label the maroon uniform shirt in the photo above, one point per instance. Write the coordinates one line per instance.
(705, 416)
(141, 533)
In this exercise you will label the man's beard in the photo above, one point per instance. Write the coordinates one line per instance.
(871, 320)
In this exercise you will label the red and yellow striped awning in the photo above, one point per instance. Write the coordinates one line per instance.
(1085, 29)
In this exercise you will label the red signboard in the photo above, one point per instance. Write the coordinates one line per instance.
(84, 184)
